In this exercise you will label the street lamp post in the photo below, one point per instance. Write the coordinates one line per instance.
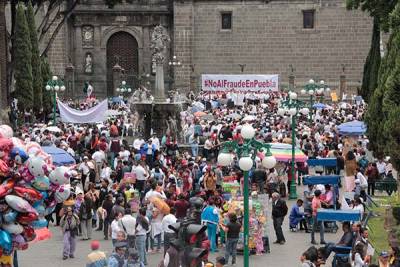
(247, 153)
(54, 85)
(123, 88)
(292, 106)
(314, 89)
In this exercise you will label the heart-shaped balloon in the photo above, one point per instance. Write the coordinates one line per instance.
(13, 228)
(29, 233)
(5, 241)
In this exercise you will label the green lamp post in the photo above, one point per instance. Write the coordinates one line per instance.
(292, 106)
(123, 88)
(247, 153)
(314, 89)
(55, 85)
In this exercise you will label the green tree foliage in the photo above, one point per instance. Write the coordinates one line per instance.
(371, 66)
(23, 57)
(36, 70)
(46, 76)
(383, 115)
(379, 9)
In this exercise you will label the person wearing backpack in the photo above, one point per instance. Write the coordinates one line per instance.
(279, 211)
(142, 227)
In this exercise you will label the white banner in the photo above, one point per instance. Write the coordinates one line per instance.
(95, 114)
(242, 83)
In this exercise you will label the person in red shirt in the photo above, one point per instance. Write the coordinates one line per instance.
(181, 206)
(238, 137)
(114, 129)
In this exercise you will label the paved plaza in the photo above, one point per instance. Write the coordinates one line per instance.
(49, 253)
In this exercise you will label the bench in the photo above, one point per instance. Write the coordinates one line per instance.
(388, 185)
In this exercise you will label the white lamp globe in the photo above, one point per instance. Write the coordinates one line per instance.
(170, 63)
(305, 111)
(292, 111)
(311, 81)
(248, 131)
(174, 63)
(54, 78)
(311, 92)
(328, 89)
(269, 162)
(48, 87)
(174, 57)
(224, 159)
(322, 82)
(293, 95)
(303, 92)
(129, 90)
(280, 112)
(62, 88)
(245, 163)
(118, 89)
(56, 88)
(179, 63)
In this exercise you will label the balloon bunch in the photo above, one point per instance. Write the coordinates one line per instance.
(30, 189)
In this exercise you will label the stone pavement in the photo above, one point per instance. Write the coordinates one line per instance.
(49, 253)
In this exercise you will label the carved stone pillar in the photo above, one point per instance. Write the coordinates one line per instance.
(291, 82)
(116, 77)
(342, 85)
(70, 81)
(159, 84)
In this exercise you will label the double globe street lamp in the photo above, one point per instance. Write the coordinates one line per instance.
(55, 85)
(246, 153)
(316, 89)
(292, 106)
(123, 88)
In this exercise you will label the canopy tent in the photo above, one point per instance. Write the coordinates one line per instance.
(352, 128)
(283, 153)
(321, 106)
(60, 157)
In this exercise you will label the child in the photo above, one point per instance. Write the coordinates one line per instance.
(233, 230)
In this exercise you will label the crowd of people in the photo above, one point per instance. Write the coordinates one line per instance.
(117, 178)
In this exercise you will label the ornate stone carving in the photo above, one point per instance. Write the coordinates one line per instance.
(159, 41)
(87, 35)
(88, 64)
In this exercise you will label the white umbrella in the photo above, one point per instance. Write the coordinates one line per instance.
(249, 118)
(53, 129)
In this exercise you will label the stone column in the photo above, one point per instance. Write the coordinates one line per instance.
(159, 83)
(70, 80)
(342, 86)
(291, 82)
(116, 77)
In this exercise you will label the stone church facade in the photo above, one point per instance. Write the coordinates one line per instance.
(301, 39)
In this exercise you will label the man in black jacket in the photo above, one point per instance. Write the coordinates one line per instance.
(279, 211)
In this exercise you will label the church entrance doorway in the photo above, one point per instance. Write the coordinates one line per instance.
(122, 48)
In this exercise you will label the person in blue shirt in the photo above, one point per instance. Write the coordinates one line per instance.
(210, 217)
(296, 217)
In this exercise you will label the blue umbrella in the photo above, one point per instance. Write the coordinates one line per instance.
(352, 128)
(60, 156)
(319, 106)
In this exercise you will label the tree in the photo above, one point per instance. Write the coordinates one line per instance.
(383, 119)
(36, 70)
(22, 60)
(46, 76)
(371, 65)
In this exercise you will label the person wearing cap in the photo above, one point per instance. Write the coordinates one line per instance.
(69, 226)
(117, 258)
(96, 258)
(315, 205)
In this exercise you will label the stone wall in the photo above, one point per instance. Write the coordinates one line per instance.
(269, 36)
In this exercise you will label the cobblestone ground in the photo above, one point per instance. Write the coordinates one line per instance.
(49, 253)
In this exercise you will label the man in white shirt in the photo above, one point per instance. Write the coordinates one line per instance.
(168, 220)
(98, 157)
(124, 153)
(84, 169)
(128, 224)
(156, 142)
(381, 166)
(141, 176)
(137, 143)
